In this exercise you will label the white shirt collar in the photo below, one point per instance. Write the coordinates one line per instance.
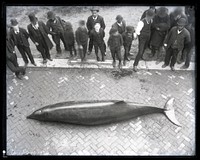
(35, 26)
(179, 31)
(95, 17)
(16, 32)
(120, 24)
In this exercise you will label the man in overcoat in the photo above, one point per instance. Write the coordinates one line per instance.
(39, 35)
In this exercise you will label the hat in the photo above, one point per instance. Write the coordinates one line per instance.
(95, 9)
(130, 29)
(50, 15)
(82, 22)
(13, 22)
(150, 13)
(119, 17)
(162, 12)
(113, 30)
(32, 17)
(182, 22)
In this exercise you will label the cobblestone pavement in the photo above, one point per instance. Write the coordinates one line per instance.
(147, 135)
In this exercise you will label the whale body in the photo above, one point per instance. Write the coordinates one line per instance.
(99, 112)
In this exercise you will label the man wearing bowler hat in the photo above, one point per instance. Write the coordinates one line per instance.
(120, 24)
(20, 38)
(56, 29)
(177, 38)
(39, 35)
(91, 21)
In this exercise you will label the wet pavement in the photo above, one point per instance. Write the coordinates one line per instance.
(148, 135)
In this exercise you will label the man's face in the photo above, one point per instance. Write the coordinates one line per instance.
(94, 13)
(180, 27)
(16, 28)
(119, 20)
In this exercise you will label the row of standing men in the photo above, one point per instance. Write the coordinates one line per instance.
(152, 31)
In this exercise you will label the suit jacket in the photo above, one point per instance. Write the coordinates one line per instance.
(23, 35)
(97, 38)
(81, 36)
(90, 22)
(163, 23)
(115, 41)
(182, 39)
(43, 30)
(121, 29)
(10, 48)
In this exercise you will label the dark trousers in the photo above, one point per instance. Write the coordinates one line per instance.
(43, 49)
(116, 52)
(171, 56)
(25, 51)
(100, 47)
(72, 47)
(14, 66)
(83, 51)
(90, 45)
(56, 38)
(143, 44)
(127, 49)
(187, 54)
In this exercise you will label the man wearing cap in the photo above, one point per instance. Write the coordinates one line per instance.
(160, 26)
(39, 35)
(56, 29)
(153, 8)
(176, 15)
(11, 57)
(94, 18)
(177, 38)
(120, 24)
(143, 32)
(20, 38)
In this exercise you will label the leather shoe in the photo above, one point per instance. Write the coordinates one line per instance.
(135, 68)
(19, 77)
(114, 63)
(172, 68)
(98, 59)
(183, 67)
(34, 64)
(164, 65)
(44, 61)
(50, 59)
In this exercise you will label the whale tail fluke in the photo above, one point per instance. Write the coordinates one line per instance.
(169, 112)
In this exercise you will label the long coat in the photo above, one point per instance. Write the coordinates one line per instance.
(23, 35)
(43, 30)
(90, 22)
(158, 36)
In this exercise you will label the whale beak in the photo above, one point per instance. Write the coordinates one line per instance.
(35, 115)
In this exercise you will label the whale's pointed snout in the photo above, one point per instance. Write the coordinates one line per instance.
(35, 115)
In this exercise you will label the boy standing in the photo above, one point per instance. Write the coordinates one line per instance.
(82, 39)
(20, 38)
(143, 31)
(128, 37)
(115, 43)
(97, 35)
(177, 38)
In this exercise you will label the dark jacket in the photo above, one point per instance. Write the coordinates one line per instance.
(43, 30)
(120, 29)
(69, 37)
(81, 36)
(90, 22)
(127, 40)
(55, 27)
(10, 48)
(115, 41)
(182, 39)
(23, 36)
(97, 38)
(163, 23)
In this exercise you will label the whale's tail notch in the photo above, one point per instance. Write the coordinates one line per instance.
(169, 112)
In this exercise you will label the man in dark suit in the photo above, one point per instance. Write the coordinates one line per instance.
(91, 21)
(120, 24)
(177, 38)
(11, 57)
(39, 35)
(20, 38)
(56, 29)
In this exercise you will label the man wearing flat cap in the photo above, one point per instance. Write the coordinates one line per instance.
(120, 24)
(160, 27)
(20, 38)
(176, 40)
(91, 21)
(55, 27)
(39, 35)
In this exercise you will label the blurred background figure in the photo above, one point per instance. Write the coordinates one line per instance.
(160, 27)
(153, 8)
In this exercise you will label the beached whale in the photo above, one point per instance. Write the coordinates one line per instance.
(100, 112)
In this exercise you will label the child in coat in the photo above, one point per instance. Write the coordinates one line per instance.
(128, 37)
(115, 43)
(97, 35)
(69, 37)
(82, 39)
